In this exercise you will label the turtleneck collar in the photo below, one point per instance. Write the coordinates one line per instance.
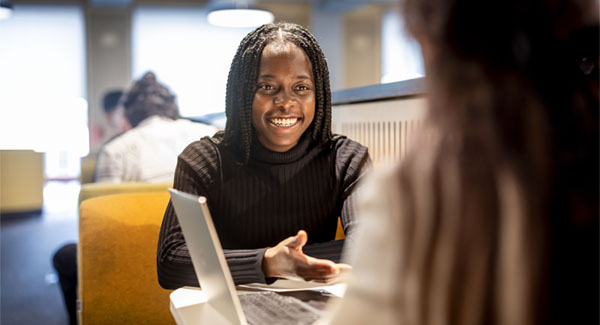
(260, 153)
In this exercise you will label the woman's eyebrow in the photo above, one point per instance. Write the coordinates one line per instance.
(266, 76)
(270, 76)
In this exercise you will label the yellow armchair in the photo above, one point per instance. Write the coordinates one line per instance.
(118, 237)
(98, 189)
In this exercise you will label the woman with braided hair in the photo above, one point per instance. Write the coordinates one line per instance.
(277, 179)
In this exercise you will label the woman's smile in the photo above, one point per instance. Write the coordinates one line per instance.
(284, 122)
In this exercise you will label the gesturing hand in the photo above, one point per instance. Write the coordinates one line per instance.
(287, 260)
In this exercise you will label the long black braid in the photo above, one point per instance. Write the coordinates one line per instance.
(241, 84)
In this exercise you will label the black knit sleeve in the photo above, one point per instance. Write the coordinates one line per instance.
(197, 170)
(352, 163)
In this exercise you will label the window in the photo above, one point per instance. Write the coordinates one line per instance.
(401, 55)
(188, 55)
(42, 81)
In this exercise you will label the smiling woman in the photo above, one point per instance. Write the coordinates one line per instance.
(277, 179)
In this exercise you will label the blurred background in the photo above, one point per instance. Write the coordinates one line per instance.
(57, 60)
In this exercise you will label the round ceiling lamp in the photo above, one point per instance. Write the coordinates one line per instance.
(239, 15)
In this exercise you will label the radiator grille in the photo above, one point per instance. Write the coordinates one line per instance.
(388, 127)
(387, 141)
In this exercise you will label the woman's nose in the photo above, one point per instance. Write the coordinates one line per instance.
(284, 101)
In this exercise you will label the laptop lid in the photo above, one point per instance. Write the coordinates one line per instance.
(207, 255)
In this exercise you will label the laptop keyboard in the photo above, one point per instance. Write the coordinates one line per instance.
(272, 308)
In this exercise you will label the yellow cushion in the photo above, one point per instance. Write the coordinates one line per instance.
(98, 189)
(118, 236)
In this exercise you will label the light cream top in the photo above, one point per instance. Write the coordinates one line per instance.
(148, 152)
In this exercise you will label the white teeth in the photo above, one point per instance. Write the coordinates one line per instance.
(284, 121)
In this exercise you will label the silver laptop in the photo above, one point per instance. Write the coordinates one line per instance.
(214, 276)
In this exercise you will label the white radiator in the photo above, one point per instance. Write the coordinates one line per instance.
(385, 127)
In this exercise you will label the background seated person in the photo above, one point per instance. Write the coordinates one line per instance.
(115, 117)
(148, 151)
(112, 104)
(276, 179)
(493, 217)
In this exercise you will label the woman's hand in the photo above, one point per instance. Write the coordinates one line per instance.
(287, 260)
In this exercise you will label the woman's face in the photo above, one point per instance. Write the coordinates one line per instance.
(284, 101)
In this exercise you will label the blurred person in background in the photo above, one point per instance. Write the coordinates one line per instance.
(492, 218)
(112, 104)
(146, 152)
(115, 116)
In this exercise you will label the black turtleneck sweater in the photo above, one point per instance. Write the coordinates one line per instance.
(257, 205)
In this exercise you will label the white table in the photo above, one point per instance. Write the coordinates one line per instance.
(188, 304)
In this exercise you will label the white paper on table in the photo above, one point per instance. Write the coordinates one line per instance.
(283, 285)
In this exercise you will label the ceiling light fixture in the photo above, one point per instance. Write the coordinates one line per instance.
(239, 15)
(6, 9)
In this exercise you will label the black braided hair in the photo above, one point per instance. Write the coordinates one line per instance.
(148, 97)
(241, 84)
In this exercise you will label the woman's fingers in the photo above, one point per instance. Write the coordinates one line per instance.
(314, 268)
(290, 242)
(302, 238)
(320, 270)
(298, 241)
(344, 267)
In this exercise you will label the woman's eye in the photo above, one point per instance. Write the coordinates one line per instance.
(266, 87)
(302, 88)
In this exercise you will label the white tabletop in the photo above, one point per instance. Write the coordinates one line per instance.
(188, 304)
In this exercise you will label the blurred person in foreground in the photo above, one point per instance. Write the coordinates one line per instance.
(493, 216)
(148, 151)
